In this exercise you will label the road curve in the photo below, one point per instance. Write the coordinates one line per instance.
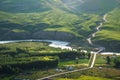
(100, 48)
(97, 30)
(94, 57)
(63, 73)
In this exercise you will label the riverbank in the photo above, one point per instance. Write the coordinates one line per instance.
(53, 43)
(56, 44)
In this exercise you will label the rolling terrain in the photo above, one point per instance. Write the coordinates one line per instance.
(92, 25)
(109, 36)
(65, 20)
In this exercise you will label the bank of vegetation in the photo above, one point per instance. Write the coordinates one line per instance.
(22, 56)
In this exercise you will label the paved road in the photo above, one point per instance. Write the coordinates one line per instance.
(97, 30)
(94, 56)
(64, 73)
(100, 48)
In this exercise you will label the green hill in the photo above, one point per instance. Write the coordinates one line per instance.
(67, 20)
(48, 21)
(98, 6)
(109, 36)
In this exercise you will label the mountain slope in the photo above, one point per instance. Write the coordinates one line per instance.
(23, 19)
(78, 25)
(77, 6)
(109, 36)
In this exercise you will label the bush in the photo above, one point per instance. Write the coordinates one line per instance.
(117, 62)
(31, 64)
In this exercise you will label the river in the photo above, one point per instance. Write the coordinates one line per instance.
(65, 45)
(53, 43)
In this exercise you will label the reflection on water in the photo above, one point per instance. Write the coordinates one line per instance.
(53, 43)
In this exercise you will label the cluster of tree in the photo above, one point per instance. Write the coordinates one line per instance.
(12, 62)
(65, 54)
(115, 60)
(60, 54)
(69, 55)
(4, 48)
(38, 64)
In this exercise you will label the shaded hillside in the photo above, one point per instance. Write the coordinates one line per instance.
(109, 36)
(76, 6)
(23, 19)
(29, 23)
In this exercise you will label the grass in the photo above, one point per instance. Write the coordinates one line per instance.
(29, 19)
(100, 60)
(25, 52)
(99, 6)
(36, 74)
(92, 74)
(35, 46)
(24, 57)
(30, 52)
(57, 20)
(91, 6)
(109, 34)
(73, 62)
(83, 77)
(110, 29)
(22, 6)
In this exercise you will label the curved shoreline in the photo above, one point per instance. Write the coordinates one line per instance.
(53, 43)
(64, 44)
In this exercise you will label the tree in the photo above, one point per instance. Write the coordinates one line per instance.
(117, 62)
(89, 55)
(76, 60)
(108, 60)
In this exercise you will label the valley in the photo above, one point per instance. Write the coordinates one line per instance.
(59, 39)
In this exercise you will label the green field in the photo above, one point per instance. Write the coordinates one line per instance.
(96, 74)
(84, 78)
(92, 74)
(83, 62)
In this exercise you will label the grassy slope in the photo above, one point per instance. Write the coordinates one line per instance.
(25, 6)
(19, 17)
(98, 6)
(57, 20)
(110, 31)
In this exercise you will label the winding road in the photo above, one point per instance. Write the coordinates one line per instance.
(63, 45)
(100, 48)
